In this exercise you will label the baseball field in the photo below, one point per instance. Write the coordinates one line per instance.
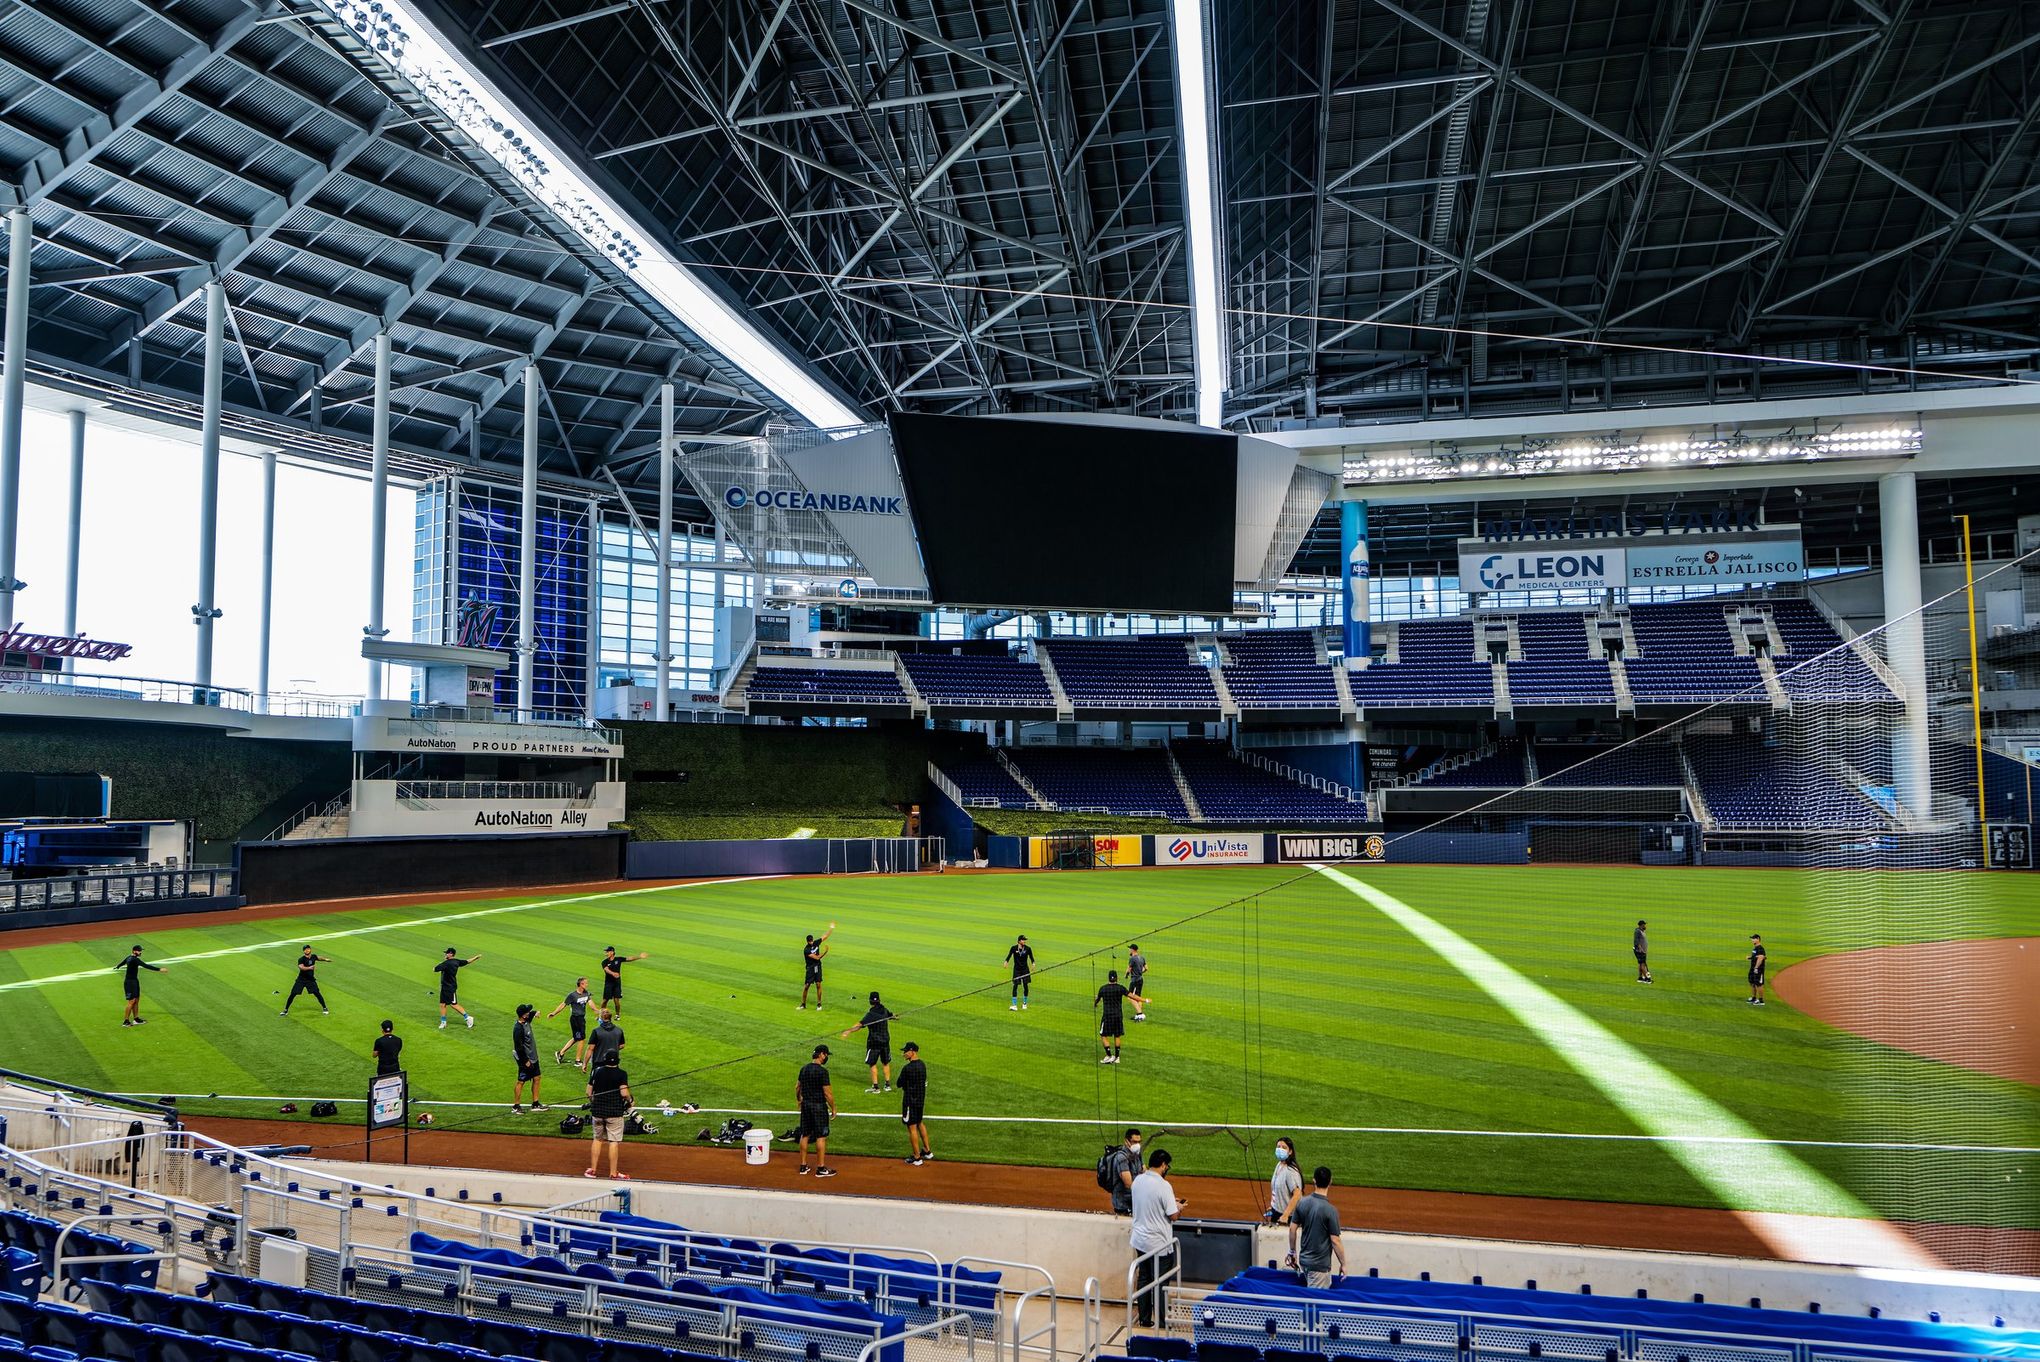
(1453, 1028)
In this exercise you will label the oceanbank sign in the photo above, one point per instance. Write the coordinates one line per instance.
(1651, 560)
(833, 503)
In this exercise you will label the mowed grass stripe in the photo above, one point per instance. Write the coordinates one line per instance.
(1288, 1005)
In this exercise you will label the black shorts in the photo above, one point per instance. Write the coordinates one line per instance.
(814, 1121)
(1641, 956)
(814, 976)
(1112, 1026)
(1135, 984)
(447, 999)
(911, 1114)
(1756, 978)
(528, 1071)
(579, 1027)
(131, 992)
(878, 1054)
(610, 995)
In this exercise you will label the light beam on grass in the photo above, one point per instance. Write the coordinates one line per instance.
(1690, 1124)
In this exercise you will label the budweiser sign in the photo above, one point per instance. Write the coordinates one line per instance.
(16, 640)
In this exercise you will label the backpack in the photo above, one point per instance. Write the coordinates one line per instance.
(1108, 1168)
(572, 1125)
(325, 1109)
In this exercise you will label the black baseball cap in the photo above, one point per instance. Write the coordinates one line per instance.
(820, 1051)
(911, 1048)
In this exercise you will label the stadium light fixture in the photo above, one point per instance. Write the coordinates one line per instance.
(1197, 137)
(1617, 454)
(412, 47)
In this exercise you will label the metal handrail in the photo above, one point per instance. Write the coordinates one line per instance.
(1158, 1285)
(154, 689)
(1094, 1317)
(59, 1260)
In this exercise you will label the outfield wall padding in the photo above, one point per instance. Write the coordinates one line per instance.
(116, 912)
(766, 856)
(364, 867)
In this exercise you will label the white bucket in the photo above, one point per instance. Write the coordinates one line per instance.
(757, 1146)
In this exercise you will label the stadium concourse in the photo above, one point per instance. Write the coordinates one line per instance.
(1019, 681)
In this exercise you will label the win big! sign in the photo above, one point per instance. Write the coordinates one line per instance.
(1335, 847)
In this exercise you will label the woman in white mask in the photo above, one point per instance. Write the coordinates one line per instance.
(1285, 1187)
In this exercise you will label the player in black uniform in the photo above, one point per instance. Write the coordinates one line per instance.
(612, 977)
(1112, 1021)
(131, 987)
(817, 1102)
(1640, 943)
(914, 1106)
(1759, 964)
(877, 1024)
(1022, 956)
(524, 1049)
(811, 966)
(307, 980)
(576, 1005)
(387, 1047)
(448, 971)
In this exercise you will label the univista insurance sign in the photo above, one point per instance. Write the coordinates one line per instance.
(20, 641)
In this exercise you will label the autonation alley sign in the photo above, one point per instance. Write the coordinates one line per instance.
(1775, 555)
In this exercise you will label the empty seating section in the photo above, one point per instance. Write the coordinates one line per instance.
(1127, 782)
(1277, 669)
(980, 682)
(984, 783)
(1434, 666)
(1150, 673)
(1228, 790)
(1747, 785)
(1814, 665)
(1267, 1316)
(1686, 654)
(825, 686)
(1561, 662)
(1501, 769)
(1650, 762)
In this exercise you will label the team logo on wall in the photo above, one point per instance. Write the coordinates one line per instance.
(474, 624)
(736, 498)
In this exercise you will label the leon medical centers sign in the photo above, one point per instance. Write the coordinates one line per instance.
(1772, 555)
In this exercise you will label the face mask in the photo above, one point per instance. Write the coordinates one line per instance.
(1282, 1156)
(1134, 1148)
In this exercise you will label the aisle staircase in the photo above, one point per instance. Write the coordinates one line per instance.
(1183, 789)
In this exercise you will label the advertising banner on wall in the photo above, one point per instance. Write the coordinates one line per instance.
(1642, 560)
(1559, 565)
(1678, 560)
(1117, 850)
(1330, 847)
(1244, 850)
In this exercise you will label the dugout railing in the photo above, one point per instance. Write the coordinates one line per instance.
(203, 1206)
(1378, 1331)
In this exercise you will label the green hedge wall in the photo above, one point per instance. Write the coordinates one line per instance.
(167, 771)
(736, 768)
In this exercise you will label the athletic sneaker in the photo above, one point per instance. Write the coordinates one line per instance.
(284, 1013)
(872, 1088)
(324, 1013)
(888, 1087)
(516, 1110)
(1023, 1007)
(1140, 1016)
(141, 1021)
(928, 1157)
(912, 1159)
(825, 1172)
(442, 1023)
(540, 1106)
(471, 1021)
(801, 1171)
(1106, 1060)
(127, 1022)
(1012, 1007)
(801, 1008)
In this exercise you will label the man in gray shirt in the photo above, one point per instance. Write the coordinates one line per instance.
(1136, 978)
(1639, 942)
(1155, 1207)
(1318, 1241)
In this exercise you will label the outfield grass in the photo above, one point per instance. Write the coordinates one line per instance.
(1282, 1000)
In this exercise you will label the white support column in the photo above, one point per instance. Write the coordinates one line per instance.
(527, 550)
(268, 580)
(1898, 519)
(74, 528)
(722, 549)
(205, 612)
(662, 646)
(13, 393)
(378, 508)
